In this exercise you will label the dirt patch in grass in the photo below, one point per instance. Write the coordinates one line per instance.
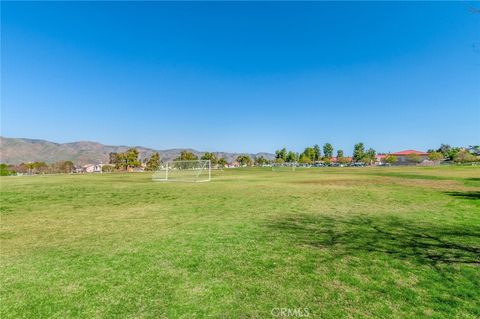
(340, 182)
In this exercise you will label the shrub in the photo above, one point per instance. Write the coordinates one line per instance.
(465, 156)
(5, 170)
(108, 168)
(435, 156)
(390, 159)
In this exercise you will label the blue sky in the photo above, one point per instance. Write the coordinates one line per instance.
(244, 77)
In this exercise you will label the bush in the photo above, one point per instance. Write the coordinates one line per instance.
(390, 159)
(108, 168)
(464, 156)
(5, 171)
(435, 156)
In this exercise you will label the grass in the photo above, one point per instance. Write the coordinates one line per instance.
(342, 242)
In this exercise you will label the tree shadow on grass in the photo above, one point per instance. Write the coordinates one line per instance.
(472, 181)
(361, 235)
(465, 195)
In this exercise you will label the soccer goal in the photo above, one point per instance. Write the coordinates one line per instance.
(184, 171)
(284, 167)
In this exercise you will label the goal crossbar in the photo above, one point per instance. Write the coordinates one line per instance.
(284, 167)
(184, 171)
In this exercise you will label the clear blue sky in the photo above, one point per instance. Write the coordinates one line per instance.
(242, 77)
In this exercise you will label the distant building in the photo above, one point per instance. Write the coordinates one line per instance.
(234, 164)
(92, 168)
(404, 157)
(380, 159)
(347, 159)
(78, 169)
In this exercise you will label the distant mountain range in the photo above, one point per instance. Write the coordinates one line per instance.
(22, 150)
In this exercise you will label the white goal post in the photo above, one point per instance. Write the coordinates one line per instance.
(184, 171)
(284, 167)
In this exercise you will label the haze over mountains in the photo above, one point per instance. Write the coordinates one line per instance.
(23, 150)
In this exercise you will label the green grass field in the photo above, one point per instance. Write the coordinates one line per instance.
(341, 242)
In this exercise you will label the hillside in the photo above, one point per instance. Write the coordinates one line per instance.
(18, 150)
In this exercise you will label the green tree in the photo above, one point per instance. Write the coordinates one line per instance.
(5, 170)
(340, 154)
(465, 156)
(454, 152)
(445, 150)
(318, 152)
(370, 156)
(448, 152)
(305, 159)
(30, 167)
(292, 157)
(310, 153)
(358, 152)
(113, 158)
(222, 162)
(244, 160)
(435, 156)
(327, 150)
(153, 163)
(210, 156)
(186, 156)
(341, 159)
(63, 167)
(260, 160)
(38, 167)
(131, 157)
(390, 159)
(281, 154)
(120, 161)
(108, 168)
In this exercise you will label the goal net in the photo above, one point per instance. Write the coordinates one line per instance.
(184, 171)
(284, 167)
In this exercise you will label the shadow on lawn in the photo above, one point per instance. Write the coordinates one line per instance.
(465, 195)
(361, 235)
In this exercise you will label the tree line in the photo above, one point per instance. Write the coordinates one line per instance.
(37, 168)
(360, 154)
(130, 159)
(313, 154)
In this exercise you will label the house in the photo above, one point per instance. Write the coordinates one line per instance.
(92, 168)
(346, 159)
(234, 164)
(78, 169)
(380, 159)
(410, 157)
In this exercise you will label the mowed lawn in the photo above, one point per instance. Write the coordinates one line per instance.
(341, 242)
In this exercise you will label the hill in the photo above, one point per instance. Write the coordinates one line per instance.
(18, 150)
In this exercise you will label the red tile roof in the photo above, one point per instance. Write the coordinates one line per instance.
(347, 158)
(409, 152)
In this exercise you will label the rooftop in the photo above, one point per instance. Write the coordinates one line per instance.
(409, 152)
